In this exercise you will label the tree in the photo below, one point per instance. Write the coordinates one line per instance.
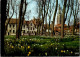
(54, 17)
(50, 14)
(62, 20)
(20, 20)
(4, 18)
(67, 10)
(75, 9)
(9, 2)
(46, 13)
(70, 13)
(23, 14)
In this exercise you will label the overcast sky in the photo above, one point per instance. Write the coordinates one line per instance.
(33, 7)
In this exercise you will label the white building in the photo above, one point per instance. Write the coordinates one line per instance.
(28, 27)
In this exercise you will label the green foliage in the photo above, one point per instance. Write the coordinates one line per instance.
(41, 46)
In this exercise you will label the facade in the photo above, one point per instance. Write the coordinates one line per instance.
(28, 27)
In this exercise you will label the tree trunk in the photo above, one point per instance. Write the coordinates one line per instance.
(3, 25)
(63, 17)
(42, 24)
(49, 25)
(73, 29)
(20, 20)
(6, 23)
(54, 17)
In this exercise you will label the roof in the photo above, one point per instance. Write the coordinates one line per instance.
(36, 21)
(27, 22)
(59, 25)
(13, 21)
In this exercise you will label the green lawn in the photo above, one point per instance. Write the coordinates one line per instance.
(41, 46)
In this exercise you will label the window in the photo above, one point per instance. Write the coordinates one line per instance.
(10, 25)
(24, 31)
(32, 31)
(8, 33)
(13, 26)
(31, 28)
(27, 31)
(24, 26)
(35, 26)
(10, 30)
(13, 31)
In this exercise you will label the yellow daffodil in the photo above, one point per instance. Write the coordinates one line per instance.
(22, 40)
(71, 52)
(62, 51)
(28, 47)
(28, 55)
(21, 46)
(51, 44)
(12, 46)
(29, 52)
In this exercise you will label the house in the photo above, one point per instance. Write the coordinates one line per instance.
(28, 27)
(57, 29)
(11, 28)
(76, 27)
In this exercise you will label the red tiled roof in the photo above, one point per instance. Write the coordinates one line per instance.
(59, 25)
(13, 21)
(27, 22)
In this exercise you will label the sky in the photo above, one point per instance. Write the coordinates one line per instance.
(32, 6)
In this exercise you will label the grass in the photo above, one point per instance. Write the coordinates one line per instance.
(41, 46)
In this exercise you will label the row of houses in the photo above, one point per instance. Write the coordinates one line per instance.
(30, 27)
(67, 30)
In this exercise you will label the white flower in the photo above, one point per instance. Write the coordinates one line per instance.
(56, 48)
(41, 45)
(46, 53)
(63, 44)
(29, 39)
(67, 50)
